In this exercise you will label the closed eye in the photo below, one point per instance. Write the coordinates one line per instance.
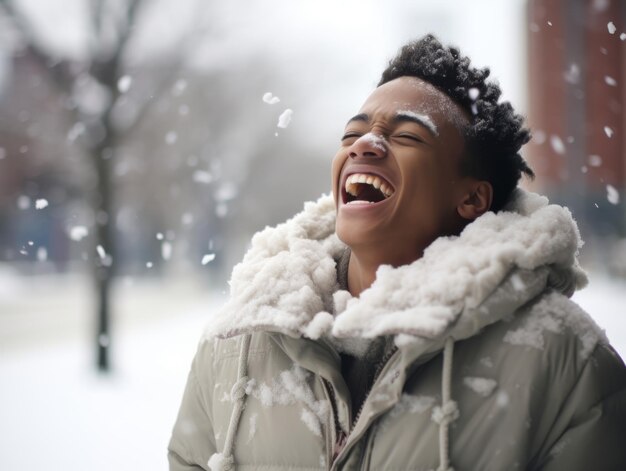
(410, 137)
(350, 136)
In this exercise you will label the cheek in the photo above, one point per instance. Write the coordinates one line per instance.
(426, 196)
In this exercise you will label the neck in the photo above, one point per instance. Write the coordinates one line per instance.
(364, 263)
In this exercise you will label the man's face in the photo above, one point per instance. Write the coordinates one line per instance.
(396, 178)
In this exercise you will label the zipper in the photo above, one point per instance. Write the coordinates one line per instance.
(381, 365)
(336, 439)
(379, 369)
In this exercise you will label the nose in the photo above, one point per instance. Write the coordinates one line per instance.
(370, 146)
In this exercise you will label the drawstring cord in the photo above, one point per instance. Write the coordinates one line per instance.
(448, 412)
(444, 415)
(225, 461)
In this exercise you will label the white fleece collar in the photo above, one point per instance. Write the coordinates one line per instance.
(287, 282)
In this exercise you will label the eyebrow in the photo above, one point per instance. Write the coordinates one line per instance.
(421, 119)
(359, 117)
(403, 116)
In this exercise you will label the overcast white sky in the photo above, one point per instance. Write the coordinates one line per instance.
(332, 50)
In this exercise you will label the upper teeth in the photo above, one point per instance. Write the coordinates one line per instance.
(375, 181)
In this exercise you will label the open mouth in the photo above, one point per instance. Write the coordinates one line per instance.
(360, 188)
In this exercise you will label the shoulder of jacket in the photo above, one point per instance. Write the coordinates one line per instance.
(215, 349)
(553, 322)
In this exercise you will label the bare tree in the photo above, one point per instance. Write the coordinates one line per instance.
(102, 76)
(227, 124)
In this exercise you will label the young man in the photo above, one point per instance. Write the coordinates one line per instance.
(417, 320)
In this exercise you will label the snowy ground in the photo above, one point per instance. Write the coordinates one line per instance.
(605, 300)
(57, 414)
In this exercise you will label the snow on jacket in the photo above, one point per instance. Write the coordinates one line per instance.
(494, 367)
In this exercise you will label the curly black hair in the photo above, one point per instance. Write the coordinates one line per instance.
(495, 133)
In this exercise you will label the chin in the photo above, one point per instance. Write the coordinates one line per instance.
(355, 233)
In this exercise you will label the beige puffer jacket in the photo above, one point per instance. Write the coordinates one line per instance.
(495, 368)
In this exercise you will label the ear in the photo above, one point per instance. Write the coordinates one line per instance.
(476, 201)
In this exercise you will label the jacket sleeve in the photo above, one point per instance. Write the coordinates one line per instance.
(593, 417)
(193, 440)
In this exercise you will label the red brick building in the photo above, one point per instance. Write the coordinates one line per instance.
(577, 103)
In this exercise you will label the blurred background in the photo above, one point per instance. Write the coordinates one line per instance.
(141, 147)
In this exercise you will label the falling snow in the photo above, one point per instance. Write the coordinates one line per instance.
(226, 191)
(201, 176)
(78, 232)
(270, 99)
(572, 75)
(124, 83)
(611, 27)
(612, 194)
(171, 137)
(610, 81)
(42, 254)
(159, 236)
(23, 202)
(608, 131)
(77, 130)
(179, 87)
(221, 210)
(473, 93)
(557, 144)
(207, 258)
(41, 203)
(187, 219)
(166, 250)
(601, 5)
(105, 258)
(595, 160)
(622, 36)
(285, 118)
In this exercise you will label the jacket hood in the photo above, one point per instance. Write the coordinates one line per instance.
(287, 281)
